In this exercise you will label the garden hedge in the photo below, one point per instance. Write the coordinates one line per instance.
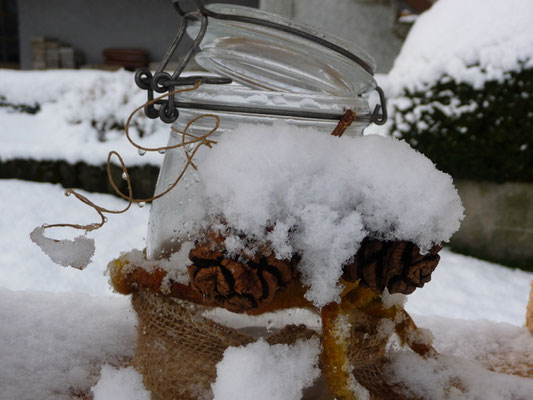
(472, 133)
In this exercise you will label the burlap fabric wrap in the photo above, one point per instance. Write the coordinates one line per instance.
(178, 349)
(367, 356)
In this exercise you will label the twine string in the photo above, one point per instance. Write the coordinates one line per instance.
(187, 140)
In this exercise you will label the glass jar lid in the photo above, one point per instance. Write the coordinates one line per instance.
(266, 58)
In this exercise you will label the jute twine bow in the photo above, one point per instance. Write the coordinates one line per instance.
(187, 139)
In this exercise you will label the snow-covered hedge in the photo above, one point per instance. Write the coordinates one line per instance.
(59, 126)
(102, 101)
(464, 88)
(480, 134)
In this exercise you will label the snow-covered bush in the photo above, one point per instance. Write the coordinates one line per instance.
(106, 101)
(464, 88)
(99, 100)
(23, 108)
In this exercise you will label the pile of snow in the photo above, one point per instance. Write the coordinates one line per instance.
(500, 347)
(120, 384)
(469, 349)
(455, 378)
(467, 288)
(319, 196)
(260, 371)
(471, 41)
(52, 346)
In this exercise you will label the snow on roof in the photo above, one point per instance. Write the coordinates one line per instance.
(472, 41)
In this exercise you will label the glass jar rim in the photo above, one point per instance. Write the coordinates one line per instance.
(236, 95)
(262, 57)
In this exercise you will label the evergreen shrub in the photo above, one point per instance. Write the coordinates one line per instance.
(472, 133)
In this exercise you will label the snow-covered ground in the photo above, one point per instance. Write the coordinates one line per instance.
(60, 326)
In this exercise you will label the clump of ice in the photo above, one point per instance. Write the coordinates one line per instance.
(260, 371)
(120, 384)
(75, 253)
(318, 196)
(470, 41)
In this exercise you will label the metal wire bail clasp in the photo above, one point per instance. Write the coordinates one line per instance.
(162, 82)
(377, 117)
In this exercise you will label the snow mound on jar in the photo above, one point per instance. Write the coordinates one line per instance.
(319, 196)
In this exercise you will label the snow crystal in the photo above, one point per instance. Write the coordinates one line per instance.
(75, 253)
(472, 41)
(52, 346)
(260, 371)
(319, 196)
(120, 384)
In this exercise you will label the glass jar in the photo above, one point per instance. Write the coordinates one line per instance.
(275, 73)
(276, 77)
(167, 229)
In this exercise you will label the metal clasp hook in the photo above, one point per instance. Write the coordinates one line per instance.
(377, 117)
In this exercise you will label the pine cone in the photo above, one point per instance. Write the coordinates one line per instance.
(237, 285)
(395, 265)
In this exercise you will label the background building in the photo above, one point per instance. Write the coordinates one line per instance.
(70, 33)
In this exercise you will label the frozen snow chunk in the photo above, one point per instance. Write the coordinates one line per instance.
(262, 372)
(120, 384)
(75, 253)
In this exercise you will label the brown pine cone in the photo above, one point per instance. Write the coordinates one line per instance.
(237, 285)
(395, 265)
